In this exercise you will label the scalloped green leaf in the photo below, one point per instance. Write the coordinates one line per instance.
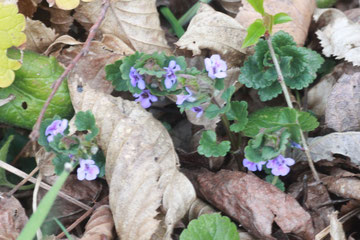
(210, 227)
(113, 74)
(239, 113)
(86, 121)
(209, 146)
(31, 87)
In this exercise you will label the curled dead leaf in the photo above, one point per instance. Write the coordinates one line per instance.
(346, 144)
(254, 203)
(12, 217)
(336, 227)
(141, 165)
(299, 10)
(216, 31)
(136, 23)
(39, 37)
(231, 6)
(338, 35)
(100, 225)
(61, 20)
(343, 104)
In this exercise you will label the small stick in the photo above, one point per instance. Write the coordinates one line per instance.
(82, 218)
(43, 185)
(34, 135)
(22, 182)
(290, 105)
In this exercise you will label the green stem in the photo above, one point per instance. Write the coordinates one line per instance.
(191, 12)
(274, 181)
(289, 103)
(226, 123)
(178, 29)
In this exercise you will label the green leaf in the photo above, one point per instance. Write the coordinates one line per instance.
(258, 5)
(213, 110)
(113, 74)
(325, 3)
(38, 217)
(86, 121)
(239, 113)
(3, 154)
(210, 148)
(279, 184)
(219, 84)
(31, 87)
(254, 32)
(228, 94)
(281, 18)
(58, 161)
(210, 227)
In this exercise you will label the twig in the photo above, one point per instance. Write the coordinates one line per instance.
(22, 182)
(290, 105)
(43, 185)
(82, 218)
(34, 135)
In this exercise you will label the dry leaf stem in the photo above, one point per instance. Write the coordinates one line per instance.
(34, 135)
(290, 105)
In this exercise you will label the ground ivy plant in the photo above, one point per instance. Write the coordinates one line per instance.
(76, 149)
(271, 130)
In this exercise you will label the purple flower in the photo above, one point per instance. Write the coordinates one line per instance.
(56, 127)
(87, 170)
(136, 79)
(279, 165)
(170, 77)
(296, 145)
(182, 98)
(145, 98)
(215, 67)
(199, 110)
(252, 166)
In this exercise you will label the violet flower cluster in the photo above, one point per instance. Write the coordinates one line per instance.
(145, 97)
(56, 127)
(279, 166)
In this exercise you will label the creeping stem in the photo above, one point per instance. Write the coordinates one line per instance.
(290, 105)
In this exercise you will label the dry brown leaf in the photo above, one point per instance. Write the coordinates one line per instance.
(318, 95)
(299, 10)
(343, 104)
(336, 228)
(59, 43)
(27, 7)
(338, 35)
(44, 161)
(61, 20)
(216, 31)
(141, 165)
(346, 144)
(84, 191)
(346, 187)
(136, 23)
(12, 217)
(38, 36)
(100, 225)
(231, 6)
(254, 203)
(313, 199)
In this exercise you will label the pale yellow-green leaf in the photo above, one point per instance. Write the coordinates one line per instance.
(67, 4)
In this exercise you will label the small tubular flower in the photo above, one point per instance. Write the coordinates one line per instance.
(170, 77)
(252, 166)
(145, 98)
(279, 165)
(188, 97)
(198, 110)
(87, 170)
(56, 127)
(136, 79)
(215, 66)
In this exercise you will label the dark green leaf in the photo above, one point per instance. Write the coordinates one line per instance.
(209, 146)
(113, 74)
(254, 32)
(219, 84)
(210, 227)
(59, 161)
(239, 113)
(86, 121)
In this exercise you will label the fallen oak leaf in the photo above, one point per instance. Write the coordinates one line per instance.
(141, 165)
(254, 203)
(137, 23)
(39, 37)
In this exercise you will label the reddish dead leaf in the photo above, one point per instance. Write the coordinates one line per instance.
(255, 203)
(28, 7)
(12, 217)
(100, 225)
